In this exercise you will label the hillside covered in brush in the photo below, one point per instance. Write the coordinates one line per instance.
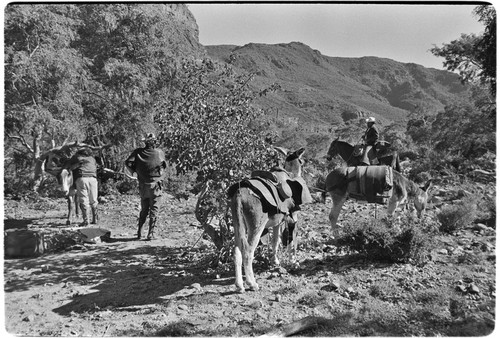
(323, 89)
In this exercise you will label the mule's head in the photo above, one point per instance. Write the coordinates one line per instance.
(293, 163)
(65, 180)
(422, 198)
(332, 151)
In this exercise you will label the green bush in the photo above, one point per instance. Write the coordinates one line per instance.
(458, 216)
(383, 240)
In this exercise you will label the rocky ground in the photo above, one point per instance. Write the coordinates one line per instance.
(168, 286)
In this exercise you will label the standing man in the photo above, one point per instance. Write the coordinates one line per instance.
(149, 164)
(370, 139)
(84, 169)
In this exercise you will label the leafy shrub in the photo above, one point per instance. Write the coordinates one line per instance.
(127, 187)
(180, 185)
(313, 299)
(384, 241)
(458, 216)
(487, 211)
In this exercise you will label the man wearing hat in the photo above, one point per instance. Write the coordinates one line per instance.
(149, 163)
(370, 139)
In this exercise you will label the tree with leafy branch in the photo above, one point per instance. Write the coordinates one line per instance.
(44, 77)
(208, 126)
(473, 56)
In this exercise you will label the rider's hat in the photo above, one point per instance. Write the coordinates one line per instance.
(370, 119)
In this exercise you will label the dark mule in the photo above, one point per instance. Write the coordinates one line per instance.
(403, 190)
(251, 216)
(348, 154)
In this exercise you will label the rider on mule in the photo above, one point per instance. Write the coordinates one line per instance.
(370, 139)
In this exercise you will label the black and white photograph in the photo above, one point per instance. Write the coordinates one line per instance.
(249, 169)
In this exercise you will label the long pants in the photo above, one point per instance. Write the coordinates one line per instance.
(150, 194)
(86, 191)
(368, 154)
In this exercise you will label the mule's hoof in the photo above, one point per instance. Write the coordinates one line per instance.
(254, 287)
(240, 289)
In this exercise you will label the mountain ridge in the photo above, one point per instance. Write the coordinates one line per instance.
(340, 89)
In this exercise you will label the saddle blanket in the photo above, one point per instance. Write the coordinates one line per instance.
(370, 183)
(272, 200)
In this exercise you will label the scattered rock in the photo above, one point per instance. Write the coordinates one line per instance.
(196, 286)
(29, 318)
(183, 307)
(256, 305)
(474, 289)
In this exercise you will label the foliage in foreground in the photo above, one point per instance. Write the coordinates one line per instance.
(458, 216)
(386, 240)
(208, 127)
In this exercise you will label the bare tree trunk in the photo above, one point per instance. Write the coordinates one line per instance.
(202, 213)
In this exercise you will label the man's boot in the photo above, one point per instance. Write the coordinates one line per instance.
(95, 216)
(85, 222)
(151, 232)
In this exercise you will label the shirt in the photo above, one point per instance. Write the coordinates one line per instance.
(148, 163)
(371, 136)
(83, 166)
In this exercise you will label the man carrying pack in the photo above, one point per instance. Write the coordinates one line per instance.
(149, 163)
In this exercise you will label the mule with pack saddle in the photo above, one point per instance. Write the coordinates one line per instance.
(374, 184)
(382, 154)
(266, 200)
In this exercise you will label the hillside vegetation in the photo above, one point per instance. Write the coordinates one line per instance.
(330, 90)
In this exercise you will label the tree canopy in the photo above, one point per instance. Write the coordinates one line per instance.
(473, 56)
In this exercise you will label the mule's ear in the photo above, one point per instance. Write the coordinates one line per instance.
(427, 186)
(300, 151)
(281, 150)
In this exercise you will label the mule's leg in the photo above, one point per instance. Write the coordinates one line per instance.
(254, 234)
(240, 242)
(70, 207)
(338, 200)
(274, 222)
(293, 227)
(237, 265)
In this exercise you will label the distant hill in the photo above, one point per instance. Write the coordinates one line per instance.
(321, 93)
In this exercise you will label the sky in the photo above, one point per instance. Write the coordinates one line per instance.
(401, 32)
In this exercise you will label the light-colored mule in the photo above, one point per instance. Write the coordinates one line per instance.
(403, 191)
(250, 220)
(65, 179)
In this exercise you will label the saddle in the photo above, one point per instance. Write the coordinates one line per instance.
(378, 149)
(370, 183)
(272, 193)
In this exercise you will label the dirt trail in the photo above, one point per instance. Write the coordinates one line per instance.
(127, 287)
